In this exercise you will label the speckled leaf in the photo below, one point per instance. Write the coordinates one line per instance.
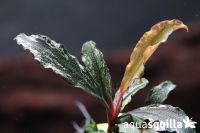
(96, 66)
(158, 112)
(145, 47)
(159, 93)
(54, 56)
(137, 85)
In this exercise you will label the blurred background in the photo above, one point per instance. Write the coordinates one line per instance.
(35, 100)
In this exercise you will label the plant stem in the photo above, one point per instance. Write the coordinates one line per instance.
(113, 114)
(109, 115)
(110, 122)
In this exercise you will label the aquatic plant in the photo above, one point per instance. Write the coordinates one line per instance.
(93, 77)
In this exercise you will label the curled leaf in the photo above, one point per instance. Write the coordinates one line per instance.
(137, 85)
(146, 47)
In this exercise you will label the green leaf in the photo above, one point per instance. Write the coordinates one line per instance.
(159, 93)
(91, 128)
(53, 55)
(162, 113)
(96, 66)
(137, 85)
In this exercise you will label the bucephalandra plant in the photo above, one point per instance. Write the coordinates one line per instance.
(93, 77)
